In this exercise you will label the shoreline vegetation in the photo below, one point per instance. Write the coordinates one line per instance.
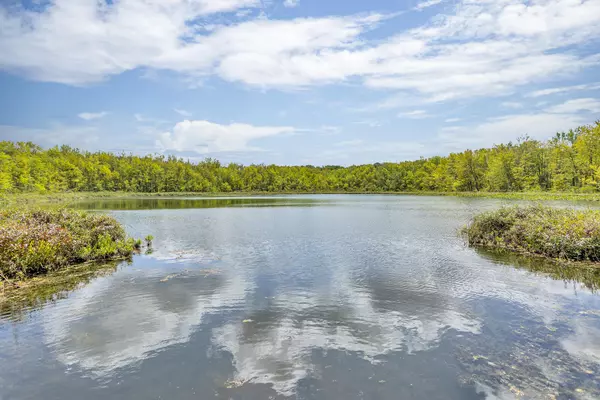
(569, 162)
(561, 234)
(34, 242)
(29, 199)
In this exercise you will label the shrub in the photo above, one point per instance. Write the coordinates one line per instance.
(565, 234)
(34, 242)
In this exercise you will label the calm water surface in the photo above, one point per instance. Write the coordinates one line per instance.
(308, 297)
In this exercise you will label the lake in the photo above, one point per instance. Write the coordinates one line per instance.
(307, 297)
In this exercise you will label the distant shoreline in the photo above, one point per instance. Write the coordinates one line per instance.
(34, 198)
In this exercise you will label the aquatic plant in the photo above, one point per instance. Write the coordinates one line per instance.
(34, 242)
(566, 234)
(149, 240)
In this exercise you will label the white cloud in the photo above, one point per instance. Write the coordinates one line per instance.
(370, 123)
(292, 53)
(149, 120)
(182, 112)
(291, 3)
(482, 48)
(452, 120)
(474, 70)
(79, 42)
(571, 20)
(564, 89)
(88, 116)
(416, 114)
(243, 13)
(426, 4)
(83, 42)
(208, 137)
(575, 106)
(499, 130)
(477, 48)
(77, 136)
(511, 104)
(330, 130)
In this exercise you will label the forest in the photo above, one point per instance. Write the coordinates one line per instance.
(567, 162)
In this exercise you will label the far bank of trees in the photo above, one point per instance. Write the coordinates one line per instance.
(570, 161)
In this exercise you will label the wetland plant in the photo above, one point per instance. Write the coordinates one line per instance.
(560, 233)
(149, 240)
(34, 242)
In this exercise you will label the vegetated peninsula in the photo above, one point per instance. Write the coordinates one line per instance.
(559, 233)
(35, 242)
(568, 162)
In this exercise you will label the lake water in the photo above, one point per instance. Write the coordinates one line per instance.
(308, 297)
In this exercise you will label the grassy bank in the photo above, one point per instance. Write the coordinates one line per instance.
(565, 234)
(35, 242)
(67, 197)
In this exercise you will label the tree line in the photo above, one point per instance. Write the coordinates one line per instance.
(569, 161)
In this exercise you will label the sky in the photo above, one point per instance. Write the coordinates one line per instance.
(296, 82)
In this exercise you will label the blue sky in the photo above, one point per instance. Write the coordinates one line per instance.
(296, 81)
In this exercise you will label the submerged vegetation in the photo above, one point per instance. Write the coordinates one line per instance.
(565, 234)
(35, 242)
(568, 162)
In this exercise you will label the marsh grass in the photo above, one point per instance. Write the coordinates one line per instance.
(564, 234)
(35, 242)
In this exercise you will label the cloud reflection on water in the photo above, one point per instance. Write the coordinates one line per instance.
(302, 280)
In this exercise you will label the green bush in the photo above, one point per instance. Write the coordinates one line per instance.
(566, 234)
(34, 242)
